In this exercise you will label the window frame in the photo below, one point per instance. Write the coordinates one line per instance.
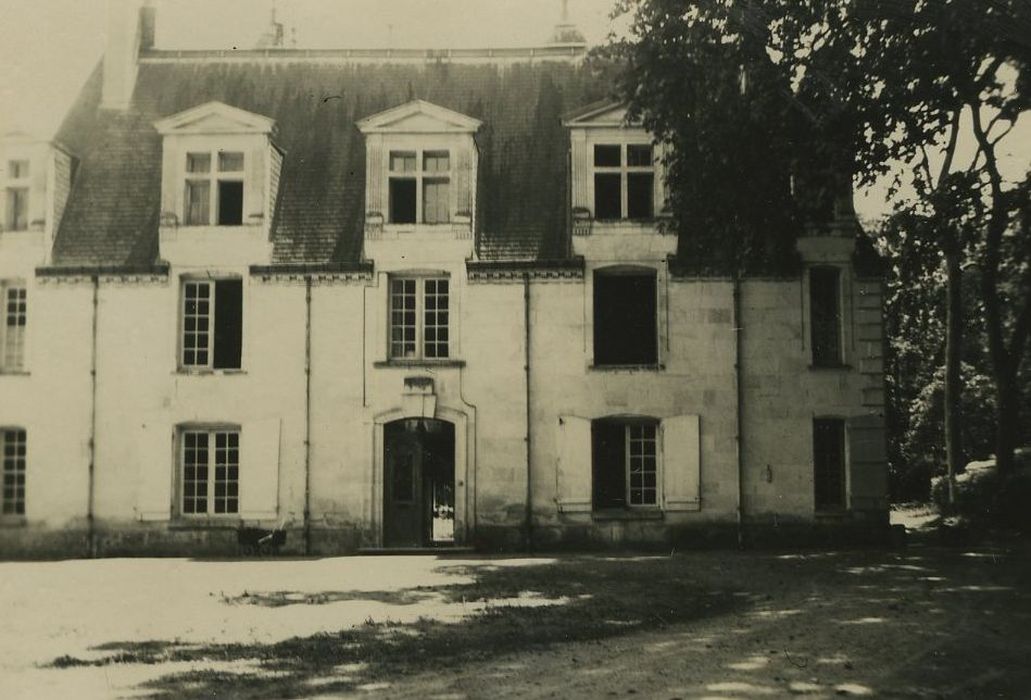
(624, 170)
(210, 348)
(841, 425)
(839, 360)
(421, 176)
(6, 287)
(18, 502)
(421, 284)
(213, 177)
(627, 271)
(211, 430)
(628, 424)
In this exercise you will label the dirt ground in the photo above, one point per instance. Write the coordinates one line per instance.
(923, 621)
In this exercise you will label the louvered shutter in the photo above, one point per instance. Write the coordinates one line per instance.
(375, 180)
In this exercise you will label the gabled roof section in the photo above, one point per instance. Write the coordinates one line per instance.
(215, 118)
(603, 113)
(419, 117)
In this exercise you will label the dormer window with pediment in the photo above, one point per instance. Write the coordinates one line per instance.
(420, 169)
(220, 167)
(617, 173)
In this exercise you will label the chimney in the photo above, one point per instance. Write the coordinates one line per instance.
(566, 32)
(130, 27)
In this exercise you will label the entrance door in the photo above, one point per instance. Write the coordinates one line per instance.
(418, 483)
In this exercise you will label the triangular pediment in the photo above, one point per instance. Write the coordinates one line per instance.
(418, 117)
(215, 118)
(598, 114)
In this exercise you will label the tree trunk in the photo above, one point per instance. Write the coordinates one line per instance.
(1007, 402)
(953, 377)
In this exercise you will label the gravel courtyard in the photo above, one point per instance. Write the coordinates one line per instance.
(925, 621)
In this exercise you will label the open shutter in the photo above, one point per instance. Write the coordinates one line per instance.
(681, 462)
(375, 179)
(254, 197)
(574, 464)
(155, 457)
(583, 169)
(259, 469)
(463, 182)
(867, 462)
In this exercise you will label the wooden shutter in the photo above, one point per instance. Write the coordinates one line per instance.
(259, 469)
(375, 179)
(681, 463)
(574, 464)
(867, 461)
(583, 174)
(254, 195)
(464, 181)
(155, 455)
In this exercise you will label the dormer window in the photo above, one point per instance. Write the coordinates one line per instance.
(217, 191)
(415, 189)
(624, 181)
(17, 196)
(420, 166)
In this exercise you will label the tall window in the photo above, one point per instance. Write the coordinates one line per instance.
(624, 181)
(212, 324)
(624, 463)
(419, 318)
(825, 315)
(13, 446)
(210, 478)
(217, 190)
(12, 331)
(829, 463)
(420, 187)
(625, 321)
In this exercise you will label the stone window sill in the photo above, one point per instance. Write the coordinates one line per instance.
(419, 363)
(824, 368)
(628, 368)
(189, 371)
(14, 373)
(228, 522)
(627, 514)
(13, 521)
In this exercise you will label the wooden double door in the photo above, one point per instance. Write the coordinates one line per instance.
(418, 483)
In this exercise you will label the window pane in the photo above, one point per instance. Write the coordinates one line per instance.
(607, 196)
(606, 156)
(625, 321)
(825, 316)
(228, 324)
(195, 472)
(402, 318)
(230, 203)
(198, 201)
(436, 201)
(17, 169)
(640, 195)
(196, 324)
(435, 318)
(639, 155)
(198, 162)
(402, 200)
(641, 464)
(230, 162)
(17, 209)
(227, 472)
(14, 455)
(436, 162)
(15, 318)
(829, 463)
(402, 162)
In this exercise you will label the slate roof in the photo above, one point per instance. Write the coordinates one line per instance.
(113, 211)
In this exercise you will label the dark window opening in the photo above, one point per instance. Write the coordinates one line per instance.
(607, 196)
(825, 315)
(829, 463)
(402, 200)
(625, 325)
(624, 463)
(639, 155)
(640, 195)
(230, 203)
(606, 156)
(228, 324)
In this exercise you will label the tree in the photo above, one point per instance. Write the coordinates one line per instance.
(854, 89)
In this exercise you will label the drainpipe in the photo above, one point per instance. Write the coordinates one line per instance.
(529, 443)
(307, 414)
(91, 540)
(739, 378)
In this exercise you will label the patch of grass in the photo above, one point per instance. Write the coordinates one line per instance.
(602, 598)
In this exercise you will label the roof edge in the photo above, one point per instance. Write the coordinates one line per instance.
(322, 268)
(574, 50)
(96, 270)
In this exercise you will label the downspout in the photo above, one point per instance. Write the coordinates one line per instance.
(529, 443)
(91, 540)
(739, 377)
(307, 414)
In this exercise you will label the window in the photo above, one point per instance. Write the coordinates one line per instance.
(625, 320)
(419, 318)
(17, 209)
(825, 315)
(212, 324)
(414, 189)
(829, 463)
(219, 190)
(624, 464)
(17, 169)
(210, 478)
(624, 181)
(13, 446)
(12, 331)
